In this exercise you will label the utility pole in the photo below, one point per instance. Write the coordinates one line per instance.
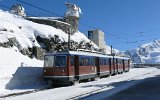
(111, 50)
(69, 36)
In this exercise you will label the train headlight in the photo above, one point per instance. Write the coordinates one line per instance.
(45, 71)
(92, 68)
(63, 71)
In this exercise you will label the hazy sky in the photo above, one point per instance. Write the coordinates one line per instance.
(126, 23)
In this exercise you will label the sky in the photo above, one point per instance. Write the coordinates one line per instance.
(127, 24)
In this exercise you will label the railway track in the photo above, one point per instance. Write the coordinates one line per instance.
(83, 95)
(102, 89)
(25, 92)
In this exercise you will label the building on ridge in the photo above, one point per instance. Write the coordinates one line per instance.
(18, 10)
(97, 36)
(72, 16)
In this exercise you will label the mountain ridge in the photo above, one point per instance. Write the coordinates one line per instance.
(148, 53)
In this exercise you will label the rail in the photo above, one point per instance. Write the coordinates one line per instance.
(144, 65)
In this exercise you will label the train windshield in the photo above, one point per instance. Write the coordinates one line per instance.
(56, 60)
(49, 61)
(60, 60)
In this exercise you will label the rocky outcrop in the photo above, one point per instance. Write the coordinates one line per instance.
(46, 45)
(10, 43)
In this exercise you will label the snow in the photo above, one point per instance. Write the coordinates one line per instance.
(19, 71)
(46, 18)
(50, 19)
(106, 84)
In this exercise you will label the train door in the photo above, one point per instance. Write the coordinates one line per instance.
(76, 67)
(97, 65)
(71, 65)
(123, 65)
(111, 65)
(129, 64)
(117, 65)
(114, 66)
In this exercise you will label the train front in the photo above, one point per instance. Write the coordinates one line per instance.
(55, 69)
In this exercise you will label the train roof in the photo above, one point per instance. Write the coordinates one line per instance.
(93, 54)
(78, 53)
(119, 57)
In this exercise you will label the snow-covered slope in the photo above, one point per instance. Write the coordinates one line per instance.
(147, 53)
(26, 31)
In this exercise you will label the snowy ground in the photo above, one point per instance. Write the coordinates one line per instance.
(18, 72)
(110, 85)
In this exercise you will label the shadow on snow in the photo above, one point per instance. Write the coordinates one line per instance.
(26, 78)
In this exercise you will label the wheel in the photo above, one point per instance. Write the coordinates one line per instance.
(92, 79)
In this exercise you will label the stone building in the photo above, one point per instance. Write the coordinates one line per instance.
(38, 53)
(18, 10)
(56, 22)
(97, 36)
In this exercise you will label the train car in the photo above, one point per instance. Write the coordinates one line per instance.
(126, 64)
(114, 65)
(119, 64)
(103, 65)
(85, 67)
(67, 67)
(57, 68)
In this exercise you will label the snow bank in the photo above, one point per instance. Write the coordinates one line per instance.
(18, 71)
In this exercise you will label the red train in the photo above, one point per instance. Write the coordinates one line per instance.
(68, 67)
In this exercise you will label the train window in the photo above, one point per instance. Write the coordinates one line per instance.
(60, 60)
(120, 61)
(104, 61)
(91, 62)
(48, 61)
(111, 61)
(126, 62)
(81, 60)
(107, 62)
(100, 61)
(86, 61)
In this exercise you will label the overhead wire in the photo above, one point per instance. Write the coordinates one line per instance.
(40, 8)
(4, 6)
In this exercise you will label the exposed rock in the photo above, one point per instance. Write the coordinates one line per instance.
(10, 43)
